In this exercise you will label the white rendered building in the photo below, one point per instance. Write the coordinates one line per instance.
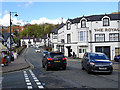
(95, 33)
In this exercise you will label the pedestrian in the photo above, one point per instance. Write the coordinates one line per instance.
(73, 54)
(3, 59)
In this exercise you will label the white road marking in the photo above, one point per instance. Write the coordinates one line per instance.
(38, 83)
(26, 76)
(40, 87)
(29, 87)
(29, 83)
(27, 80)
(36, 80)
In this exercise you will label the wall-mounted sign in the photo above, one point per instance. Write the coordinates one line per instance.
(107, 30)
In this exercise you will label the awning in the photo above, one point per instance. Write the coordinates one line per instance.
(3, 48)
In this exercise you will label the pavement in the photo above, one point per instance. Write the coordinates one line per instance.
(18, 64)
(21, 63)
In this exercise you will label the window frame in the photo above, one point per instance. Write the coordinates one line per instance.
(83, 23)
(68, 25)
(108, 23)
(114, 34)
(68, 38)
(99, 34)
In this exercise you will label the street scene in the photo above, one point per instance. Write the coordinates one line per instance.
(56, 46)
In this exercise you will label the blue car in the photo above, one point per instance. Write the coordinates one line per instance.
(96, 62)
(117, 58)
(44, 53)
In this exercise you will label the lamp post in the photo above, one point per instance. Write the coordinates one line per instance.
(10, 33)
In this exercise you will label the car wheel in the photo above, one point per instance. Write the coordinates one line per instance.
(46, 67)
(64, 68)
(89, 71)
(83, 68)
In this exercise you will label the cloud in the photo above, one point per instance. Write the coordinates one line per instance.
(5, 21)
(6, 12)
(28, 3)
(45, 20)
(0, 14)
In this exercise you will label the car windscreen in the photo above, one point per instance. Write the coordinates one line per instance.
(45, 52)
(56, 55)
(98, 56)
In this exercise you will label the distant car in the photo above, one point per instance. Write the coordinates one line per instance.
(54, 60)
(37, 50)
(117, 58)
(44, 53)
(96, 62)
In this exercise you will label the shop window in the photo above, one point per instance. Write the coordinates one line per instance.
(114, 37)
(99, 37)
(117, 51)
(106, 22)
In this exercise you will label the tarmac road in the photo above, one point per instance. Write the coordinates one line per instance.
(72, 77)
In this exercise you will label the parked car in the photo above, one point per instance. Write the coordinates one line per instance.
(54, 60)
(96, 62)
(37, 50)
(44, 53)
(117, 58)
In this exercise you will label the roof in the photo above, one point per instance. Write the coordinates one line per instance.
(27, 38)
(5, 36)
(55, 31)
(95, 18)
(44, 36)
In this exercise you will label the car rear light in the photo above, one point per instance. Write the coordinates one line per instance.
(50, 59)
(64, 59)
(49, 65)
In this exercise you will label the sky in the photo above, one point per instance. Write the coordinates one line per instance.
(51, 12)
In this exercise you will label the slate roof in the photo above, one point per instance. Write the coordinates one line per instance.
(27, 38)
(44, 36)
(55, 31)
(95, 18)
(5, 36)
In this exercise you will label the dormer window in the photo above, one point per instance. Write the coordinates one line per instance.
(68, 25)
(106, 22)
(83, 24)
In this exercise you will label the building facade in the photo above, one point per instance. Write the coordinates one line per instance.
(95, 33)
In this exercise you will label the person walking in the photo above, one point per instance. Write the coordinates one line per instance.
(73, 54)
(3, 59)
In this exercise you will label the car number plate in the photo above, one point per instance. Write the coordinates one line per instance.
(56, 61)
(102, 68)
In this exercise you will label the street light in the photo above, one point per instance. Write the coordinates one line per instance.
(10, 33)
